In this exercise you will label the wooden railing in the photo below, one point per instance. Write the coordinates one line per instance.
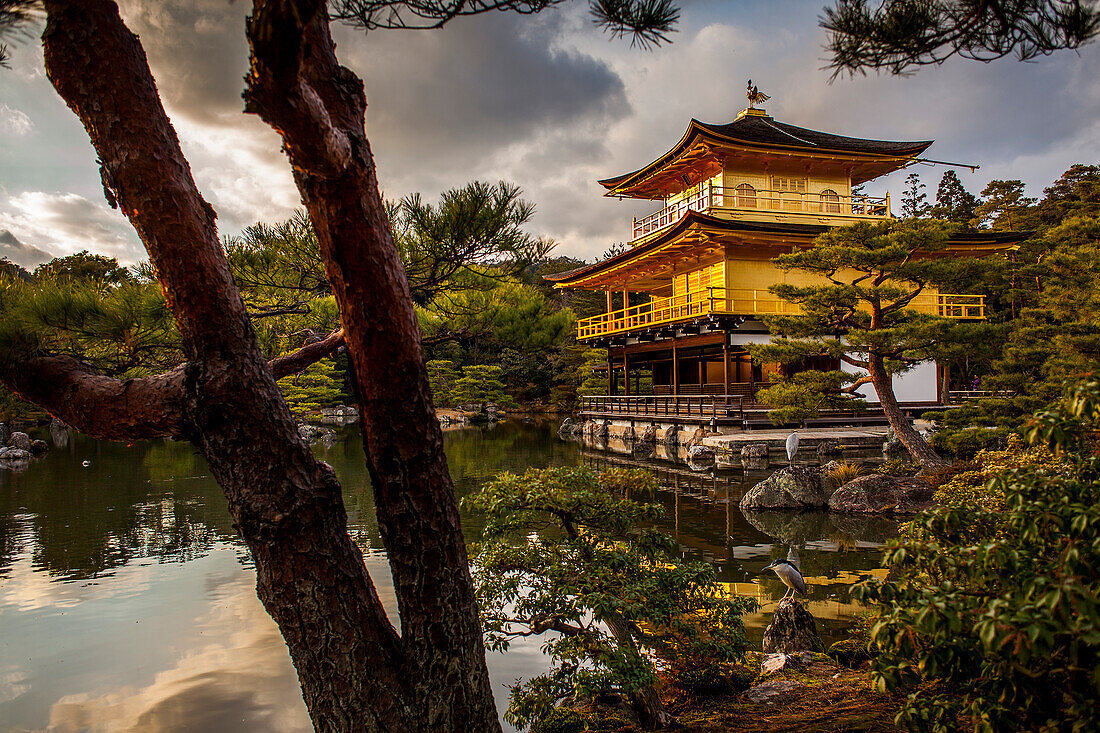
(730, 301)
(965, 395)
(701, 405)
(709, 197)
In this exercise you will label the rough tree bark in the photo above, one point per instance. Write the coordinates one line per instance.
(318, 107)
(918, 447)
(356, 672)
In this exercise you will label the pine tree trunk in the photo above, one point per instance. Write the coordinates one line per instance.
(355, 672)
(647, 703)
(318, 107)
(917, 446)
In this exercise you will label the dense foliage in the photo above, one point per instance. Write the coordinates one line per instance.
(569, 553)
(991, 615)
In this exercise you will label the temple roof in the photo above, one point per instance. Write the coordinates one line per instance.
(755, 131)
(695, 231)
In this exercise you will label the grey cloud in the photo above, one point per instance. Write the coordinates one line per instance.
(443, 102)
(67, 223)
(24, 255)
(198, 53)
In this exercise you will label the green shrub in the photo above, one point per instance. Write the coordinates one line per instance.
(850, 652)
(899, 467)
(940, 476)
(710, 679)
(567, 550)
(562, 720)
(991, 615)
(966, 443)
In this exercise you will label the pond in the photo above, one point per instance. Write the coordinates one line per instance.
(127, 601)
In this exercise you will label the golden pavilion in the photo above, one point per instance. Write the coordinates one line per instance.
(686, 295)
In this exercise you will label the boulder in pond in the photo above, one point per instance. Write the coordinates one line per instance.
(697, 437)
(671, 436)
(14, 454)
(700, 458)
(754, 457)
(650, 434)
(793, 487)
(880, 494)
(793, 528)
(22, 441)
(312, 433)
(38, 447)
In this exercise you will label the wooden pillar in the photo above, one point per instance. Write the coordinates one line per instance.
(609, 301)
(752, 381)
(726, 361)
(626, 374)
(675, 371)
(610, 374)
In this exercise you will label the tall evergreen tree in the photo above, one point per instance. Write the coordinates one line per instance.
(1075, 193)
(953, 202)
(861, 314)
(1004, 208)
(914, 201)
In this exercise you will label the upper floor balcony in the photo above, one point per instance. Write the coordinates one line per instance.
(729, 301)
(749, 202)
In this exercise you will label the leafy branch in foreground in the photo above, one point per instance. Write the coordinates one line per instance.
(568, 550)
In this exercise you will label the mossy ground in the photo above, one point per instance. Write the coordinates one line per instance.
(831, 698)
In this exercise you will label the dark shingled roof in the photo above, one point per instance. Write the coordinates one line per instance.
(689, 218)
(961, 239)
(761, 131)
(767, 131)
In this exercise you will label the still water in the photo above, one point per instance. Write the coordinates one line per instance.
(127, 602)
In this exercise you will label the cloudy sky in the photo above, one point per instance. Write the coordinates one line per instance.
(547, 102)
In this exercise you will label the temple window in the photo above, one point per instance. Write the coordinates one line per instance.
(745, 196)
(830, 201)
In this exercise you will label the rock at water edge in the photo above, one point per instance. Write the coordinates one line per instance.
(880, 494)
(794, 487)
(22, 441)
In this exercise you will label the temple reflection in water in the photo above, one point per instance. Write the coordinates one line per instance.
(834, 550)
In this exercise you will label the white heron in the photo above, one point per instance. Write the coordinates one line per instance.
(790, 576)
(792, 445)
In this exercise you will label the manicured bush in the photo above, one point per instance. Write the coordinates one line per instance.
(990, 618)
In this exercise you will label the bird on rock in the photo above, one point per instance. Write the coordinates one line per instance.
(790, 576)
(792, 445)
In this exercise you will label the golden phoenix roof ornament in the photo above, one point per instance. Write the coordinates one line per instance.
(755, 95)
